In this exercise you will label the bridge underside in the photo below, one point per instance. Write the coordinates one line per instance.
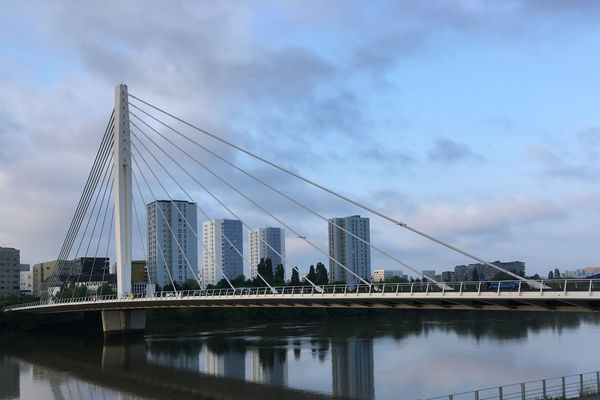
(581, 303)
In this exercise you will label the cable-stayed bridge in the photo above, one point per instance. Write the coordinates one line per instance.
(143, 155)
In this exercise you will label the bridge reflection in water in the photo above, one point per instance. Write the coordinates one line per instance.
(264, 361)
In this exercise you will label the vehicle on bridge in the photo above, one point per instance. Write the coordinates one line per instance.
(504, 285)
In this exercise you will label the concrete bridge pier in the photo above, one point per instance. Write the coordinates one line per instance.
(123, 322)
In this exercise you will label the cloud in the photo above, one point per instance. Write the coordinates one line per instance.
(497, 216)
(306, 84)
(564, 162)
(447, 151)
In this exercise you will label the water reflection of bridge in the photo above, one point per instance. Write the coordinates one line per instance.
(258, 361)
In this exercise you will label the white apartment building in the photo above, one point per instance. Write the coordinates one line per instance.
(259, 238)
(380, 275)
(349, 251)
(223, 250)
(26, 279)
(172, 244)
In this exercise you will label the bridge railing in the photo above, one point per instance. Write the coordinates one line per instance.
(585, 385)
(503, 287)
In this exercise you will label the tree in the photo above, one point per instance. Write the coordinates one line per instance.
(279, 272)
(222, 284)
(105, 290)
(550, 275)
(502, 276)
(312, 276)
(239, 281)
(190, 284)
(475, 275)
(397, 279)
(265, 268)
(169, 287)
(556, 273)
(295, 280)
(321, 277)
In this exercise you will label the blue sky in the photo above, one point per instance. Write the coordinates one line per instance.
(474, 120)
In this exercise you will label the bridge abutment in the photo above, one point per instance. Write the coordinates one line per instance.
(123, 322)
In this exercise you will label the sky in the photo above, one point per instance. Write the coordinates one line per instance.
(474, 121)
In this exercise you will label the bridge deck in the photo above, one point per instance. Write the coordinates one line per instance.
(585, 297)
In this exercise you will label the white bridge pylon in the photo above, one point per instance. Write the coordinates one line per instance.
(122, 191)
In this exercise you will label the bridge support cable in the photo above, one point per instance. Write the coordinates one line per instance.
(100, 209)
(174, 205)
(167, 222)
(210, 193)
(192, 200)
(112, 220)
(90, 187)
(137, 185)
(99, 181)
(197, 206)
(264, 210)
(291, 199)
(104, 185)
(96, 253)
(173, 202)
(332, 192)
(107, 170)
(82, 207)
(139, 226)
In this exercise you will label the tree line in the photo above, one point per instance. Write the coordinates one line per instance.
(276, 276)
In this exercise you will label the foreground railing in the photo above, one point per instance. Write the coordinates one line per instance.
(484, 287)
(565, 387)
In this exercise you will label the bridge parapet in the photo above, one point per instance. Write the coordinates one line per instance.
(464, 295)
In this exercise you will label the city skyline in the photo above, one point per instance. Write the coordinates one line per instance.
(412, 120)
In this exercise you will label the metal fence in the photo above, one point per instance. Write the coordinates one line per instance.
(512, 287)
(579, 386)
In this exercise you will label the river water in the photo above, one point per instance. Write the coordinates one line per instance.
(401, 355)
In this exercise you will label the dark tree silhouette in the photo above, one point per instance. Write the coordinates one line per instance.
(295, 279)
(321, 277)
(312, 276)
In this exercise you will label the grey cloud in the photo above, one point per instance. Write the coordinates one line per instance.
(447, 151)
(560, 164)
(590, 136)
(11, 137)
(493, 217)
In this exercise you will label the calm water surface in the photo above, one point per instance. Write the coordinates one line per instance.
(398, 355)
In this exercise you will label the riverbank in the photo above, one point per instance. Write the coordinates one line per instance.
(169, 320)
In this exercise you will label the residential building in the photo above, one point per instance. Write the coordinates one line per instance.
(447, 276)
(172, 243)
(349, 251)
(380, 275)
(486, 272)
(25, 279)
(93, 268)
(429, 273)
(9, 271)
(139, 277)
(581, 272)
(64, 269)
(266, 243)
(223, 250)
